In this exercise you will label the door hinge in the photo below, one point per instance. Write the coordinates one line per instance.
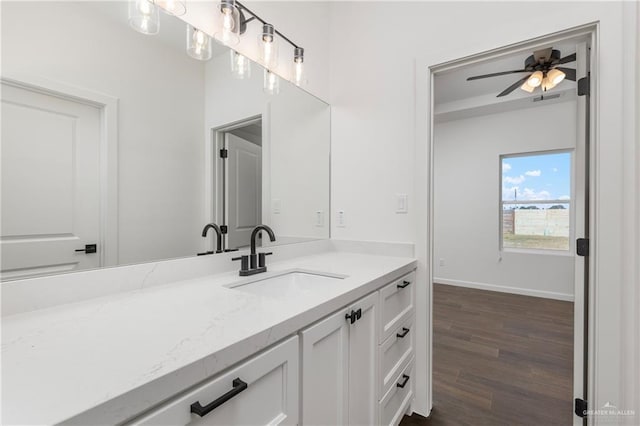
(224, 153)
(581, 407)
(584, 86)
(582, 247)
(224, 229)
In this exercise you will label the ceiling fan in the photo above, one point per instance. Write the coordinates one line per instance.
(543, 70)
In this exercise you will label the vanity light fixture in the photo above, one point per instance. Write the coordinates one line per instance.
(198, 44)
(229, 23)
(271, 83)
(144, 16)
(297, 71)
(172, 7)
(240, 65)
(268, 46)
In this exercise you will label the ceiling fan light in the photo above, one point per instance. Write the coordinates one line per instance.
(535, 79)
(525, 86)
(555, 76)
(547, 84)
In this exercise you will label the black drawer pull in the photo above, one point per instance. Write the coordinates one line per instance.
(405, 331)
(238, 386)
(404, 284)
(405, 380)
(353, 316)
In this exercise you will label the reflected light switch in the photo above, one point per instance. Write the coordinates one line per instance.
(276, 205)
(402, 203)
(320, 219)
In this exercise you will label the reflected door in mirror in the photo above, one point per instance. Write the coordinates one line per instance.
(50, 182)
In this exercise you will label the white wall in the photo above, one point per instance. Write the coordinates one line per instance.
(380, 54)
(160, 91)
(467, 194)
(296, 146)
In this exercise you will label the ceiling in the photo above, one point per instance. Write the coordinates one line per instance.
(451, 86)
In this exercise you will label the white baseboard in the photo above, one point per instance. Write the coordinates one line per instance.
(506, 289)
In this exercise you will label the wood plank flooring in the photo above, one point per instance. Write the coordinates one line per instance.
(500, 359)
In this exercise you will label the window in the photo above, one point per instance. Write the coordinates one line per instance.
(536, 203)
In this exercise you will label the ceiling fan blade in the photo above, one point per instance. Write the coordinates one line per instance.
(513, 87)
(542, 54)
(570, 73)
(495, 74)
(567, 59)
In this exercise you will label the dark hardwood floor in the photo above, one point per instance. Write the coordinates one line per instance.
(500, 359)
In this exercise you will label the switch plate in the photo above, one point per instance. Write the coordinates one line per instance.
(402, 203)
(341, 220)
(441, 262)
(320, 219)
(276, 205)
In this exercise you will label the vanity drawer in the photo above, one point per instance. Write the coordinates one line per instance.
(269, 397)
(395, 354)
(396, 401)
(396, 304)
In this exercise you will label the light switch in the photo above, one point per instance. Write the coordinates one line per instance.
(341, 220)
(402, 203)
(276, 205)
(320, 219)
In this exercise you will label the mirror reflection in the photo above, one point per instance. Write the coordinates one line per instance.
(120, 147)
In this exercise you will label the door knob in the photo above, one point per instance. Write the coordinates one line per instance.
(89, 248)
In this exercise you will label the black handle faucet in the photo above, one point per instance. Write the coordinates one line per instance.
(218, 235)
(254, 263)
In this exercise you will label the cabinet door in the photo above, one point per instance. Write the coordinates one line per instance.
(363, 376)
(261, 391)
(325, 371)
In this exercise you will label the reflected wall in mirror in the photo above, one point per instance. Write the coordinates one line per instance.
(111, 144)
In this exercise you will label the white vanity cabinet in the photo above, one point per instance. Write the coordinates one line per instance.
(262, 390)
(339, 367)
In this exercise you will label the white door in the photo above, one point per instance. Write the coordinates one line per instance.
(50, 183)
(581, 275)
(325, 372)
(244, 189)
(363, 345)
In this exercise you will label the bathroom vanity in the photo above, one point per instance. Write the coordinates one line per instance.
(323, 337)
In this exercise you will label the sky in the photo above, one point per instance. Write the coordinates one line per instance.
(537, 177)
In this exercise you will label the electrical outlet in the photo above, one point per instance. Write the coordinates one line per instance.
(341, 220)
(320, 219)
(276, 206)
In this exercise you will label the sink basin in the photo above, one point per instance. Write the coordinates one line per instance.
(287, 282)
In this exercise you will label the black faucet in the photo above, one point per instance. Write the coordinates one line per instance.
(254, 263)
(218, 236)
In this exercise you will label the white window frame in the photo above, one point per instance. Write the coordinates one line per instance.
(501, 204)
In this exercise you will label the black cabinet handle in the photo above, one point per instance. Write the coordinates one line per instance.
(199, 410)
(352, 316)
(403, 383)
(89, 248)
(405, 331)
(404, 284)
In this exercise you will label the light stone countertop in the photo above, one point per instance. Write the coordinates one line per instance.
(103, 360)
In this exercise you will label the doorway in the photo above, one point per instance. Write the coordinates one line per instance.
(460, 264)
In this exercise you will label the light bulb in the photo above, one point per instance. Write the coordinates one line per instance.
(271, 83)
(298, 66)
(556, 76)
(535, 79)
(547, 84)
(268, 47)
(229, 24)
(240, 66)
(172, 7)
(144, 17)
(525, 86)
(198, 44)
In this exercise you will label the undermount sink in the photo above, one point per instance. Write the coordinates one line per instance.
(287, 282)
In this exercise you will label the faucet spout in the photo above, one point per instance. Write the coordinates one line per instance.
(216, 228)
(254, 234)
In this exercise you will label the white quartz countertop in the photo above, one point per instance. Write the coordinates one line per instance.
(101, 361)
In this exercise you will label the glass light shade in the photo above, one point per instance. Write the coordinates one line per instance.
(527, 88)
(172, 7)
(228, 32)
(555, 76)
(240, 65)
(535, 79)
(547, 84)
(297, 70)
(271, 83)
(268, 47)
(198, 44)
(144, 16)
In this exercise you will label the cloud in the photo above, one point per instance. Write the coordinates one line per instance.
(506, 167)
(531, 194)
(534, 173)
(513, 180)
(555, 170)
(564, 197)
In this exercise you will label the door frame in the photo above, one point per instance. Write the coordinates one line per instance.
(590, 31)
(215, 209)
(108, 149)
